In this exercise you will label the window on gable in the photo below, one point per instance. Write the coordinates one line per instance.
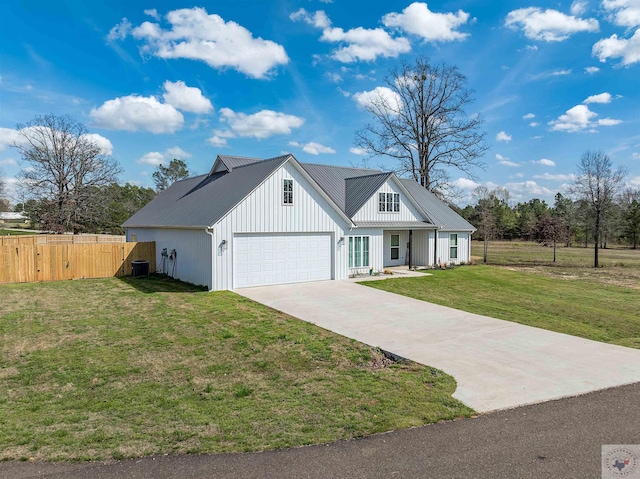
(453, 246)
(287, 192)
(359, 252)
(389, 202)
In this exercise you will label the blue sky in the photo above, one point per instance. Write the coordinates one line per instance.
(155, 80)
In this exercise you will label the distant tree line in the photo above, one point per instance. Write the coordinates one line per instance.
(600, 213)
(71, 185)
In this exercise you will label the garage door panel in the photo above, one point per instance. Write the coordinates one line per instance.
(274, 259)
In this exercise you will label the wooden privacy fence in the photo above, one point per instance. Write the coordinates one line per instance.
(24, 263)
(60, 239)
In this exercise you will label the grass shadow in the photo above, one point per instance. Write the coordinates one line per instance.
(158, 283)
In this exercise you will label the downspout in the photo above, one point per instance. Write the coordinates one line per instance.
(209, 231)
(435, 247)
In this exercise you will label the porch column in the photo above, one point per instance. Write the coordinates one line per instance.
(410, 246)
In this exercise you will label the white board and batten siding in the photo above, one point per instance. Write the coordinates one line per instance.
(370, 212)
(422, 252)
(193, 252)
(464, 247)
(262, 213)
(376, 249)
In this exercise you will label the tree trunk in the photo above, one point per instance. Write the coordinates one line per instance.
(554, 250)
(597, 240)
(486, 248)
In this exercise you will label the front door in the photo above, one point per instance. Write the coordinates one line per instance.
(395, 247)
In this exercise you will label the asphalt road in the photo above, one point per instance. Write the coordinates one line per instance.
(559, 439)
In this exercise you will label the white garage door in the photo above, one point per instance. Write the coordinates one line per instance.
(263, 259)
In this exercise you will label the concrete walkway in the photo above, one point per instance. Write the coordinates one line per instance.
(497, 364)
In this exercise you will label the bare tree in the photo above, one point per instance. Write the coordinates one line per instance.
(551, 230)
(597, 184)
(3, 188)
(66, 167)
(4, 202)
(420, 121)
(485, 207)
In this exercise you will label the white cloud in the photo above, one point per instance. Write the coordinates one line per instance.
(153, 13)
(465, 184)
(312, 147)
(186, 98)
(634, 181)
(8, 162)
(357, 44)
(614, 47)
(609, 122)
(196, 35)
(505, 161)
(635, 156)
(625, 13)
(318, 19)
(591, 70)
(561, 72)
(137, 113)
(528, 189)
(418, 20)
(106, 148)
(177, 152)
(333, 77)
(153, 158)
(9, 136)
(528, 116)
(358, 151)
(365, 44)
(534, 124)
(578, 8)
(119, 31)
(580, 118)
(215, 140)
(262, 124)
(548, 25)
(547, 176)
(601, 98)
(381, 96)
(544, 162)
(502, 136)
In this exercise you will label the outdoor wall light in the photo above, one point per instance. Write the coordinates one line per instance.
(341, 241)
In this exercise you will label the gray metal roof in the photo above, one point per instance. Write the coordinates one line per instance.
(394, 224)
(332, 179)
(202, 200)
(359, 189)
(438, 211)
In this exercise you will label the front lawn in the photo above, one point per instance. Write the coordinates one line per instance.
(111, 368)
(600, 312)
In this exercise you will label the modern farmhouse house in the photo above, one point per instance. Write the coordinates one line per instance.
(252, 222)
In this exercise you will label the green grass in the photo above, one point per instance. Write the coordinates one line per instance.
(524, 253)
(604, 312)
(12, 232)
(101, 369)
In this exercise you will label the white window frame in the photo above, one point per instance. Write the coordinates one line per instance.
(392, 247)
(453, 246)
(388, 202)
(351, 244)
(285, 192)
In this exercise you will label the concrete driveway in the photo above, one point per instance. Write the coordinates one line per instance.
(497, 364)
